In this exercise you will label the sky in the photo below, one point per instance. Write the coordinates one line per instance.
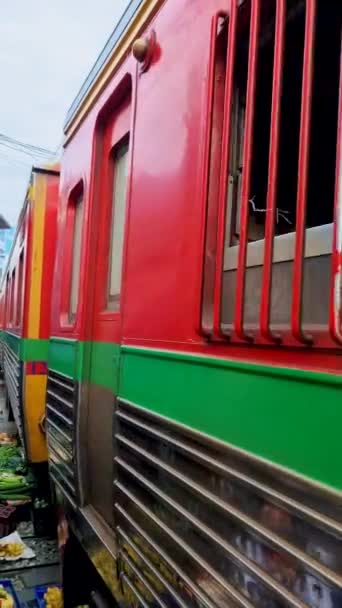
(46, 51)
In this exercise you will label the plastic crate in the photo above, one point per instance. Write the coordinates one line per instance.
(40, 591)
(7, 585)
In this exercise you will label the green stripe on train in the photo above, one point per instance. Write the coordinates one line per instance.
(73, 358)
(27, 349)
(291, 417)
(66, 357)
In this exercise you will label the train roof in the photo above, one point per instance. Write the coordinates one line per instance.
(47, 168)
(53, 168)
(127, 28)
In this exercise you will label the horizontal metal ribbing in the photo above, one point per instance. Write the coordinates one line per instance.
(11, 355)
(56, 374)
(135, 592)
(65, 453)
(12, 370)
(13, 398)
(62, 489)
(294, 506)
(61, 384)
(59, 415)
(12, 367)
(292, 479)
(245, 520)
(142, 578)
(18, 422)
(235, 595)
(54, 466)
(57, 428)
(12, 384)
(150, 565)
(60, 409)
(60, 399)
(58, 460)
(164, 557)
(212, 536)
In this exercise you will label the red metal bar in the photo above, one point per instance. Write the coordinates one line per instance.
(303, 169)
(335, 308)
(206, 162)
(271, 203)
(222, 206)
(247, 169)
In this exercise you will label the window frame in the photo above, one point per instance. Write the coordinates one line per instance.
(69, 321)
(123, 142)
(20, 289)
(12, 298)
(75, 258)
(318, 239)
(318, 242)
(8, 300)
(114, 128)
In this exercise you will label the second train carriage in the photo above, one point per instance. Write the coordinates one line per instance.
(26, 292)
(195, 359)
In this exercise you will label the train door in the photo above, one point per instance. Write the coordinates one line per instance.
(110, 211)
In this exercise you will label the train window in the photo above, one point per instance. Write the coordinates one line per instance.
(12, 304)
(76, 203)
(280, 121)
(323, 132)
(8, 299)
(119, 192)
(20, 290)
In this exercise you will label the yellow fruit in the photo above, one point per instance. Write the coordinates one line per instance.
(6, 600)
(53, 598)
(11, 550)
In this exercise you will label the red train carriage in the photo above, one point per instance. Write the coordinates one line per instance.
(26, 309)
(194, 368)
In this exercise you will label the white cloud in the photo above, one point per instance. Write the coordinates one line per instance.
(46, 51)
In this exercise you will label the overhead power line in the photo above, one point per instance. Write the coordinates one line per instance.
(16, 162)
(19, 146)
(31, 154)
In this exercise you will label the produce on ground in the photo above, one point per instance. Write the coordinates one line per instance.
(6, 600)
(104, 564)
(15, 487)
(11, 550)
(8, 439)
(11, 459)
(53, 598)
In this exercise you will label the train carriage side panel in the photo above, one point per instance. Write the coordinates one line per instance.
(226, 447)
(27, 309)
(35, 349)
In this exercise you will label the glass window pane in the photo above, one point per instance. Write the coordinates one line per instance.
(20, 290)
(76, 256)
(13, 299)
(117, 224)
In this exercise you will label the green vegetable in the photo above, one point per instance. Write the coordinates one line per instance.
(10, 458)
(10, 497)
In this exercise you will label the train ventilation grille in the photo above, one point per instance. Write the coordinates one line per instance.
(1, 356)
(200, 524)
(13, 379)
(61, 401)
